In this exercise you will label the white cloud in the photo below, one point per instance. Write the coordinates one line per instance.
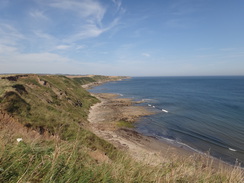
(87, 20)
(34, 58)
(41, 58)
(35, 46)
(36, 63)
(90, 31)
(85, 8)
(227, 49)
(63, 47)
(38, 15)
(146, 54)
(7, 50)
(91, 14)
(9, 35)
(79, 47)
(52, 63)
(118, 5)
(43, 35)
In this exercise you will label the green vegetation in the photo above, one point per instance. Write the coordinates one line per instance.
(47, 103)
(50, 114)
(96, 78)
(85, 80)
(125, 124)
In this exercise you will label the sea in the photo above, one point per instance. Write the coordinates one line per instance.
(205, 114)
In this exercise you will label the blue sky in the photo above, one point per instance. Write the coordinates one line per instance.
(122, 37)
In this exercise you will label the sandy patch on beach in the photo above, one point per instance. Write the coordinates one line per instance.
(104, 117)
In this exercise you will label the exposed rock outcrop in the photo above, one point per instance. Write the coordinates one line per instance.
(20, 89)
(14, 78)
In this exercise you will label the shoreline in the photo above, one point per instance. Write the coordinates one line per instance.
(98, 83)
(159, 141)
(103, 121)
(104, 118)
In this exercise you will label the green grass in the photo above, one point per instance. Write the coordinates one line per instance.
(48, 162)
(84, 80)
(125, 124)
(50, 106)
(60, 147)
(96, 78)
(63, 161)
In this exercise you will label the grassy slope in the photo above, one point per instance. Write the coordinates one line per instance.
(61, 149)
(96, 78)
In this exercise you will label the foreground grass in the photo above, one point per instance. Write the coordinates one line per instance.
(63, 161)
(50, 114)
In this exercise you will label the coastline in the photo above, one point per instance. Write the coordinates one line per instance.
(105, 118)
(94, 84)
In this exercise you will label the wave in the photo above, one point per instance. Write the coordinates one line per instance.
(209, 140)
(232, 149)
(177, 143)
(148, 100)
(165, 110)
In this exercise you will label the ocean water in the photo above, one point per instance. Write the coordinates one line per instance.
(203, 113)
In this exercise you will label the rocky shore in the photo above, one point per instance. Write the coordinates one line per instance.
(106, 118)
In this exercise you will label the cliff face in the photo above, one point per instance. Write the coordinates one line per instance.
(45, 102)
(44, 132)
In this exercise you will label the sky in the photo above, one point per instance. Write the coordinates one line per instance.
(122, 37)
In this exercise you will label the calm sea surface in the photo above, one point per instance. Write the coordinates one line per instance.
(204, 113)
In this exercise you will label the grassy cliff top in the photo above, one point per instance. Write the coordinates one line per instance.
(45, 102)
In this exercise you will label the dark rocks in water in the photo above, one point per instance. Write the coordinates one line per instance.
(20, 89)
